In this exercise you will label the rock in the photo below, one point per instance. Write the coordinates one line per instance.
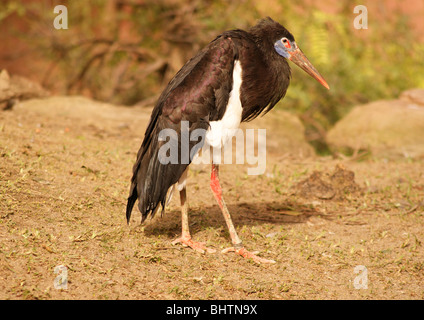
(4, 81)
(389, 129)
(79, 107)
(326, 186)
(414, 96)
(284, 131)
(15, 88)
(99, 116)
(285, 134)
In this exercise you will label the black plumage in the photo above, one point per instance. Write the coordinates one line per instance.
(199, 93)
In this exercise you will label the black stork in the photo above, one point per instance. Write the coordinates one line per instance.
(236, 77)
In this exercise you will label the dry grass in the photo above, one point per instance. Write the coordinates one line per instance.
(64, 178)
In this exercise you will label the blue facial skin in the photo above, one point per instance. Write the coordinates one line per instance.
(282, 50)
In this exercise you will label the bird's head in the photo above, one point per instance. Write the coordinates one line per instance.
(286, 47)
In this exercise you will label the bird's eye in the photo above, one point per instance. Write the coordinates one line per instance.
(286, 43)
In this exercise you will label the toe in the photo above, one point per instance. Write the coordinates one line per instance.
(248, 255)
(197, 246)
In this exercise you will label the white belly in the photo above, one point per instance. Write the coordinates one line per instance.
(222, 130)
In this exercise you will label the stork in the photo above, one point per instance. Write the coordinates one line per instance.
(235, 78)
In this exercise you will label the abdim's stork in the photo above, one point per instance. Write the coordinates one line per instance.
(238, 76)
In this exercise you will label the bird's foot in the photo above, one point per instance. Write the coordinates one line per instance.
(198, 246)
(247, 254)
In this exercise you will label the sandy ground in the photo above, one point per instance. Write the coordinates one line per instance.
(338, 229)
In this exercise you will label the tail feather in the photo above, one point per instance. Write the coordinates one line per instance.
(130, 204)
(151, 181)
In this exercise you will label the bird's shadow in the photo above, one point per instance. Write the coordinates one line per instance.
(245, 213)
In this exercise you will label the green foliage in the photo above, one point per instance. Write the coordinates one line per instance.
(359, 65)
(9, 8)
(125, 52)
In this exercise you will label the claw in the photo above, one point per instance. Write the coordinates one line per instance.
(197, 246)
(248, 255)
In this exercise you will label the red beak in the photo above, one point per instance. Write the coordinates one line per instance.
(298, 57)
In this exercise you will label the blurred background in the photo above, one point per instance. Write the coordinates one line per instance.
(126, 51)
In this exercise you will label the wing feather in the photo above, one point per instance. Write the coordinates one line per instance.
(198, 93)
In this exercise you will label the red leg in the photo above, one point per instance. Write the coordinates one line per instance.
(185, 238)
(237, 243)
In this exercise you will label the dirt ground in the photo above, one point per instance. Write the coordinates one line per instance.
(337, 228)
